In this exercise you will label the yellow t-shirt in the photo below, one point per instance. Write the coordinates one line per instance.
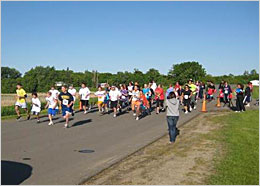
(21, 92)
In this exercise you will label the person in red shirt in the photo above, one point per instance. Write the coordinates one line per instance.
(159, 97)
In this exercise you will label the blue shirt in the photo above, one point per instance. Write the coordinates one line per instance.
(168, 91)
(146, 92)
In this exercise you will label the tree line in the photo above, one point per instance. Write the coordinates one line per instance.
(40, 78)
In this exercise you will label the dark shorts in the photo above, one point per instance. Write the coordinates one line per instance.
(114, 104)
(186, 102)
(84, 102)
(159, 102)
(248, 99)
(52, 112)
(66, 110)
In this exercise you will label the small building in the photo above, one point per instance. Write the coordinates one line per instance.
(255, 82)
(59, 83)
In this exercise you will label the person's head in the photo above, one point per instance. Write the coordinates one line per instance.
(34, 95)
(159, 86)
(99, 88)
(170, 85)
(136, 88)
(225, 83)
(249, 83)
(177, 83)
(141, 92)
(130, 84)
(239, 85)
(64, 88)
(222, 81)
(52, 87)
(171, 95)
(121, 87)
(49, 94)
(124, 86)
(71, 87)
(19, 85)
(136, 83)
(187, 87)
(83, 85)
(113, 88)
(145, 85)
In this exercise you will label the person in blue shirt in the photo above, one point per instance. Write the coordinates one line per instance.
(169, 90)
(240, 98)
(148, 94)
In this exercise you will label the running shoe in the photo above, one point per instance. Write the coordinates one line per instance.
(85, 112)
(66, 126)
(134, 114)
(114, 115)
(137, 118)
(72, 113)
(194, 107)
(18, 118)
(186, 112)
(38, 121)
(51, 123)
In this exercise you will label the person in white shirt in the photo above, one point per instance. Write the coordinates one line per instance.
(52, 105)
(73, 92)
(54, 92)
(36, 106)
(114, 97)
(130, 89)
(84, 94)
(135, 102)
(154, 86)
(101, 96)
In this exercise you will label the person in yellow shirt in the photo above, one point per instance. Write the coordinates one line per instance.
(21, 101)
(193, 88)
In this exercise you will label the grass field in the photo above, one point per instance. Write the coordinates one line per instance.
(240, 139)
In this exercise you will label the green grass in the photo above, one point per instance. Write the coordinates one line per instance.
(240, 140)
(8, 112)
(255, 94)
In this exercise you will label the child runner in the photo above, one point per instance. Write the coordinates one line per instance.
(193, 97)
(114, 97)
(135, 102)
(170, 89)
(106, 100)
(186, 97)
(101, 95)
(172, 114)
(54, 92)
(52, 105)
(73, 92)
(144, 103)
(226, 90)
(84, 93)
(240, 98)
(67, 101)
(159, 97)
(36, 106)
(21, 101)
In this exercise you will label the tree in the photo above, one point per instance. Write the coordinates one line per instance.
(153, 74)
(253, 72)
(246, 73)
(184, 71)
(11, 73)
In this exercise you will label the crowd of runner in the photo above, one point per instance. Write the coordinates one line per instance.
(139, 99)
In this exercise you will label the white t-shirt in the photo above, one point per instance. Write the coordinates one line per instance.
(154, 86)
(73, 92)
(113, 94)
(34, 107)
(84, 93)
(136, 95)
(130, 89)
(51, 101)
(54, 93)
(100, 95)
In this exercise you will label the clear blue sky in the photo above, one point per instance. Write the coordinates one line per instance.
(121, 36)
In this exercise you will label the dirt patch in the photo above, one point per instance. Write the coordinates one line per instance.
(188, 161)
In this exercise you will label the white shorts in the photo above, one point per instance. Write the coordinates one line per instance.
(22, 105)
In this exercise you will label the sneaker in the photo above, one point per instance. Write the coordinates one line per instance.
(51, 123)
(237, 111)
(28, 117)
(18, 118)
(137, 118)
(85, 112)
(114, 115)
(190, 109)
(134, 114)
(157, 112)
(72, 113)
(38, 121)
(66, 126)
(186, 112)
(194, 108)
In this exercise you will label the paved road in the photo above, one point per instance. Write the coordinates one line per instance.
(53, 152)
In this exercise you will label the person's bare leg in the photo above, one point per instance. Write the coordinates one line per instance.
(17, 111)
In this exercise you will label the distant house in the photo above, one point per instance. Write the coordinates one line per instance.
(103, 85)
(255, 82)
(59, 83)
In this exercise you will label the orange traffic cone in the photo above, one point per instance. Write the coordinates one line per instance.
(80, 105)
(204, 108)
(218, 102)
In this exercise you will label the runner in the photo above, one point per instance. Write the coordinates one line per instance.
(186, 97)
(211, 90)
(226, 90)
(106, 101)
(201, 90)
(123, 98)
(54, 92)
(21, 101)
(170, 89)
(36, 106)
(114, 96)
(151, 95)
(144, 106)
(84, 97)
(221, 85)
(101, 96)
(73, 92)
(130, 90)
(67, 101)
(193, 97)
(135, 100)
(52, 105)
(148, 94)
(153, 86)
(159, 97)
(172, 114)
(240, 98)
(247, 98)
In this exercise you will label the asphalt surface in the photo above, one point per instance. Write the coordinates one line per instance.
(69, 156)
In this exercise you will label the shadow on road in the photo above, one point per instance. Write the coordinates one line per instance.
(14, 173)
(82, 122)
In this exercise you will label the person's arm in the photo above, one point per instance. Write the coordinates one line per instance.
(71, 101)
(46, 106)
(56, 103)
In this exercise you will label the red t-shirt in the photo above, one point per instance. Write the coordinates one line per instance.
(177, 87)
(159, 91)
